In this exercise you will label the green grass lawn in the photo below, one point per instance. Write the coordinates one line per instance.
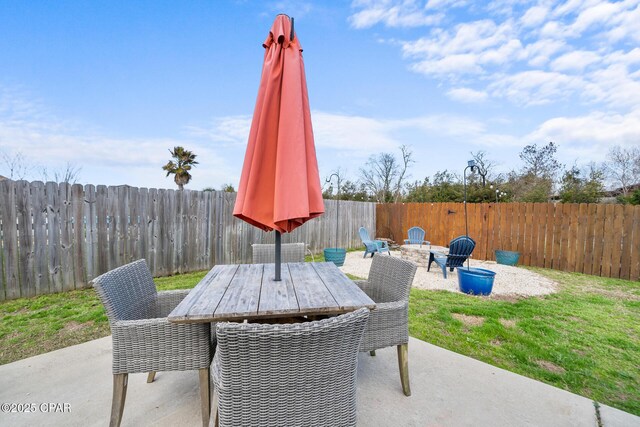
(585, 339)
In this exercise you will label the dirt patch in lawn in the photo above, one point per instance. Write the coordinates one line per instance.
(73, 326)
(468, 320)
(550, 366)
(508, 323)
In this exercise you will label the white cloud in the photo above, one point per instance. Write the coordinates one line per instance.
(598, 14)
(467, 95)
(590, 136)
(575, 61)
(361, 135)
(449, 65)
(614, 86)
(535, 87)
(392, 14)
(534, 16)
(232, 130)
(540, 52)
(465, 50)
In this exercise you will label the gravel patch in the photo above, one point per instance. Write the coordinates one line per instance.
(509, 281)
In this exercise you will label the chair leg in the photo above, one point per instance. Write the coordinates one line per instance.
(151, 377)
(444, 271)
(431, 259)
(372, 352)
(205, 395)
(119, 395)
(216, 414)
(403, 363)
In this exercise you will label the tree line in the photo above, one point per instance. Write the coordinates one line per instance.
(540, 178)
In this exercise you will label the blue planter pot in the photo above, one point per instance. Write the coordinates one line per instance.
(335, 255)
(475, 281)
(507, 257)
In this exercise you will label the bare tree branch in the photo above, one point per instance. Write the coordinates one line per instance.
(623, 167)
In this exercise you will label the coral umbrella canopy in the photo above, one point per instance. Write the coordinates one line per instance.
(280, 185)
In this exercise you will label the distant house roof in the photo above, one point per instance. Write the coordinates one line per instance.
(618, 191)
(2, 178)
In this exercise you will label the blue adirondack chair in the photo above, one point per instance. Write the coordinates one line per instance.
(372, 246)
(416, 237)
(460, 249)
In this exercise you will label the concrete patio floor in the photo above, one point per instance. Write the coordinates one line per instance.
(448, 390)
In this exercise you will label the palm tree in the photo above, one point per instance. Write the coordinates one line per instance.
(184, 161)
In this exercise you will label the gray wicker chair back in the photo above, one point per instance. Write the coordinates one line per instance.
(127, 292)
(266, 253)
(301, 374)
(390, 279)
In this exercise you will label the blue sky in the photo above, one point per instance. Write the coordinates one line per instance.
(111, 86)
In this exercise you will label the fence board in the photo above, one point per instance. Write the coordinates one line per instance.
(539, 219)
(535, 233)
(573, 236)
(10, 240)
(102, 222)
(589, 239)
(25, 239)
(91, 261)
(616, 249)
(627, 242)
(66, 236)
(608, 243)
(548, 235)
(53, 235)
(580, 238)
(41, 265)
(152, 231)
(598, 240)
(79, 247)
(635, 248)
(133, 242)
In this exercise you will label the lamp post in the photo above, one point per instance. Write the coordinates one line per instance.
(471, 164)
(337, 203)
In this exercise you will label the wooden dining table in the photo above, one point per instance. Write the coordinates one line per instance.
(241, 292)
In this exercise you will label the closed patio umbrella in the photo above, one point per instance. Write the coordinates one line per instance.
(280, 185)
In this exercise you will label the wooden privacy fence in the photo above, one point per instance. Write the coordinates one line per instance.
(57, 237)
(597, 239)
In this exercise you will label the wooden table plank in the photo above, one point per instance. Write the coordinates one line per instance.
(202, 301)
(313, 295)
(277, 297)
(348, 296)
(243, 294)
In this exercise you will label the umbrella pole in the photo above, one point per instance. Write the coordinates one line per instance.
(278, 257)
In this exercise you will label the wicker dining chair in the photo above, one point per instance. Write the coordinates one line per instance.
(266, 253)
(143, 338)
(389, 283)
(300, 374)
